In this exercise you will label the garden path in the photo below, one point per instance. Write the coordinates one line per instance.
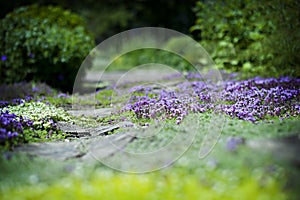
(83, 141)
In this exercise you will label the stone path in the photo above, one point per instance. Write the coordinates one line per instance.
(138, 74)
(99, 113)
(81, 140)
(90, 144)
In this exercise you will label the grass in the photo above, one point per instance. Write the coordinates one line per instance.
(246, 173)
(106, 185)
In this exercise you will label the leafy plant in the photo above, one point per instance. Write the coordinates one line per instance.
(251, 36)
(104, 97)
(11, 127)
(284, 42)
(43, 43)
(42, 114)
(31, 122)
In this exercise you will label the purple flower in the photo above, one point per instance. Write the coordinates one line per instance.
(2, 131)
(233, 142)
(35, 89)
(64, 95)
(28, 98)
(12, 125)
(3, 57)
(17, 101)
(31, 55)
(3, 103)
(249, 100)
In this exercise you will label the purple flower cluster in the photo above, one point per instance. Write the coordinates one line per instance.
(258, 98)
(252, 100)
(3, 58)
(11, 126)
(164, 105)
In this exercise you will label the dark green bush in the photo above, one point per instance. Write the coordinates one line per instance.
(284, 42)
(251, 36)
(43, 43)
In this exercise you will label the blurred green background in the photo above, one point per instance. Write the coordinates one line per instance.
(252, 37)
(106, 18)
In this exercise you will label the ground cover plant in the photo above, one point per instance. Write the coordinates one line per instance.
(253, 99)
(29, 113)
(256, 108)
(30, 122)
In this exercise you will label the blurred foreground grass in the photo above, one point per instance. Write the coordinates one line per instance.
(245, 173)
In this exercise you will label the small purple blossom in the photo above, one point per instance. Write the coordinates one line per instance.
(35, 89)
(233, 142)
(62, 95)
(251, 100)
(3, 103)
(3, 58)
(11, 125)
(31, 55)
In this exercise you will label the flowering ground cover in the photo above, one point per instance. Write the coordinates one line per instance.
(29, 113)
(253, 100)
(254, 109)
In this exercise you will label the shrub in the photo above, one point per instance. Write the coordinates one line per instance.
(251, 36)
(284, 42)
(43, 43)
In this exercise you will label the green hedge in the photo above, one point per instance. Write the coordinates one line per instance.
(44, 44)
(251, 36)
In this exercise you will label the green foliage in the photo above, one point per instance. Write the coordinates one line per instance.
(183, 46)
(58, 100)
(43, 43)
(251, 36)
(40, 136)
(105, 19)
(146, 56)
(284, 42)
(106, 185)
(179, 53)
(105, 97)
(44, 117)
(40, 113)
